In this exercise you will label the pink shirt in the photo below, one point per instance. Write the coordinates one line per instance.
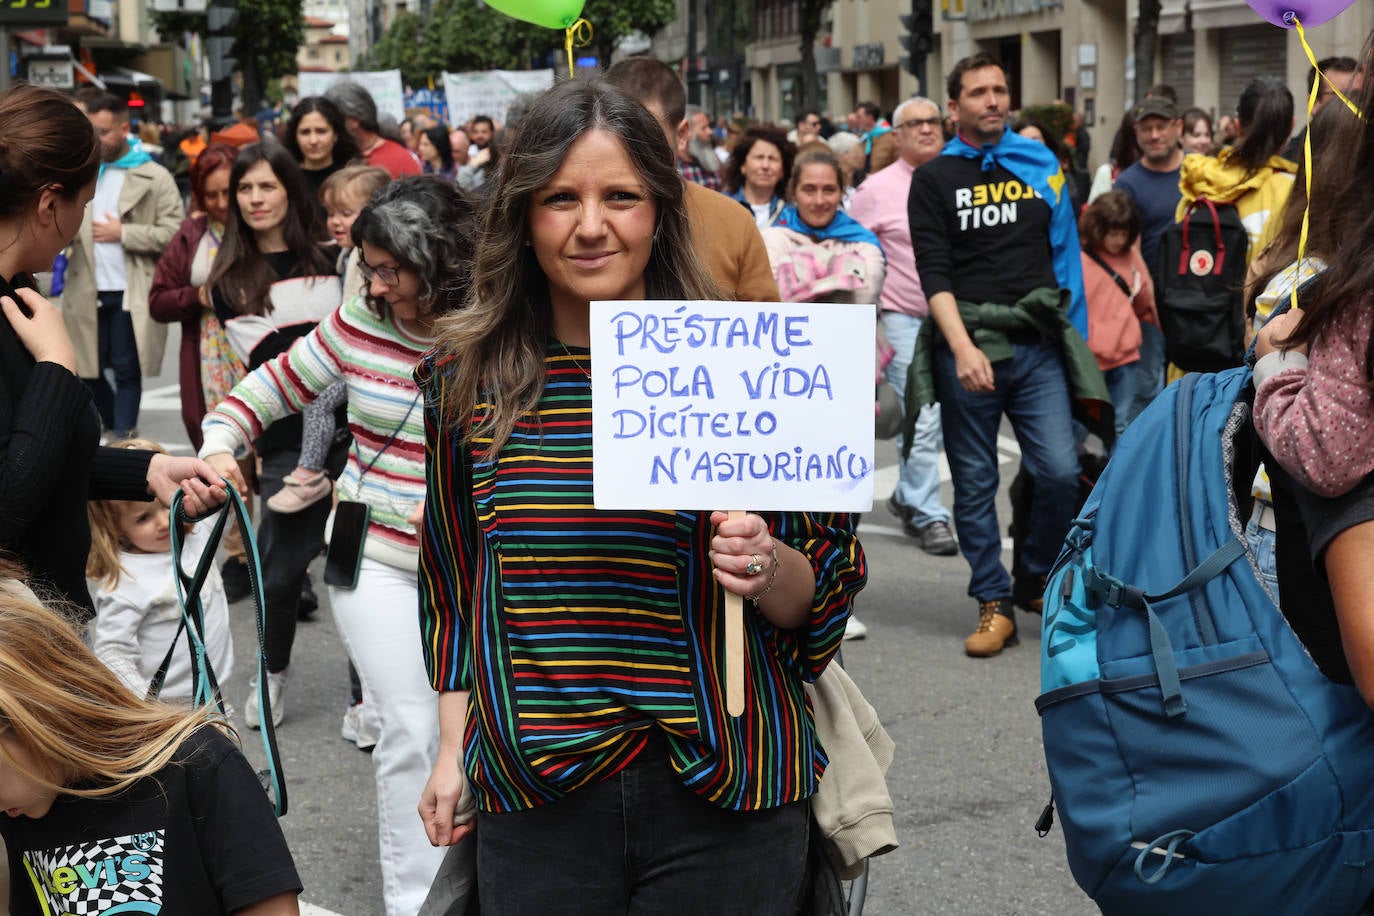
(880, 204)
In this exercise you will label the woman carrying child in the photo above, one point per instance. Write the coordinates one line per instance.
(137, 611)
(271, 283)
(415, 240)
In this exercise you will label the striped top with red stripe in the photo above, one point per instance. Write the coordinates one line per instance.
(376, 360)
(578, 631)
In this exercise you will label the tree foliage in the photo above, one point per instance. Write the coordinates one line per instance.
(266, 38)
(461, 37)
(811, 14)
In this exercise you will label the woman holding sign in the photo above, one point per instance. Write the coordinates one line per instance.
(579, 654)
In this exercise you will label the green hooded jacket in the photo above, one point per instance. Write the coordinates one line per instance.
(1044, 312)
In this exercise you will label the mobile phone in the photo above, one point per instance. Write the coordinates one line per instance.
(345, 555)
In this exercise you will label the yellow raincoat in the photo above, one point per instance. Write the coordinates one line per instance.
(1259, 196)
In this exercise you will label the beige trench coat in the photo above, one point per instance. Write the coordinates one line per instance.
(150, 209)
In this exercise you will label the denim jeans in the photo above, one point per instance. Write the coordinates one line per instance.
(641, 843)
(1121, 385)
(918, 479)
(380, 630)
(1149, 379)
(118, 352)
(1262, 543)
(1033, 392)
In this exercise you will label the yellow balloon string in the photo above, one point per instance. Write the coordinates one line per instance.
(1307, 150)
(577, 35)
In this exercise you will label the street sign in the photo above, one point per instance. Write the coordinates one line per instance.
(54, 74)
(33, 12)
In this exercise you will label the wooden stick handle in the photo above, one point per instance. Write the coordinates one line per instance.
(734, 646)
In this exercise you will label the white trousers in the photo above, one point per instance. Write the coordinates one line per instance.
(380, 626)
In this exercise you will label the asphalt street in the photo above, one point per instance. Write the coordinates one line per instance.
(968, 781)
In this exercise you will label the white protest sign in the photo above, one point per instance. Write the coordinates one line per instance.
(490, 92)
(732, 405)
(385, 86)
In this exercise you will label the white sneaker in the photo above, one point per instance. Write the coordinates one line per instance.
(355, 728)
(854, 628)
(276, 695)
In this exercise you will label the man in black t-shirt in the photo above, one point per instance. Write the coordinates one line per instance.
(983, 234)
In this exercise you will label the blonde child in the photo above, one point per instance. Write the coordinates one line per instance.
(137, 611)
(1119, 291)
(152, 803)
(344, 194)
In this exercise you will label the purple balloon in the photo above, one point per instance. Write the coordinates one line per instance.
(1309, 12)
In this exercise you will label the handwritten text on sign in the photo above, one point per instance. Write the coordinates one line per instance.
(720, 405)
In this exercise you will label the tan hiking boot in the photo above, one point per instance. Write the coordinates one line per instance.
(996, 629)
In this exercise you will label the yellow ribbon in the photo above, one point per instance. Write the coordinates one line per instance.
(577, 35)
(1307, 148)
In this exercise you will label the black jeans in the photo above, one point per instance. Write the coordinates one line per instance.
(641, 843)
(286, 544)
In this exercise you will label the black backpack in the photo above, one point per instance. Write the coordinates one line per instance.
(1200, 287)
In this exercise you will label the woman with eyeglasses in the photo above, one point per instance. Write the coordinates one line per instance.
(271, 283)
(415, 238)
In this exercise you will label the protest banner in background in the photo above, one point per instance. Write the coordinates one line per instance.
(732, 405)
(385, 86)
(490, 92)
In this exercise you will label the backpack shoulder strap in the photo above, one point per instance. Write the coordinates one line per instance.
(1116, 277)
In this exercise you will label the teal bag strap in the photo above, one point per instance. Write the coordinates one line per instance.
(193, 623)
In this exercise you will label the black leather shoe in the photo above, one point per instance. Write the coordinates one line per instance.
(234, 572)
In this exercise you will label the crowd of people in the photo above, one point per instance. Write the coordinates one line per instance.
(397, 317)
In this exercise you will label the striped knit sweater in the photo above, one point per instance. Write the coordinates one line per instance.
(375, 359)
(578, 631)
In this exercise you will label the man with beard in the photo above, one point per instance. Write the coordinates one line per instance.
(696, 158)
(996, 239)
(110, 264)
(880, 204)
(726, 239)
(1152, 184)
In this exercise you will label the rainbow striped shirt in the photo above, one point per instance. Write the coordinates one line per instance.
(578, 631)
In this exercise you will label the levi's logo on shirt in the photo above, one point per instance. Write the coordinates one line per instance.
(120, 875)
(998, 203)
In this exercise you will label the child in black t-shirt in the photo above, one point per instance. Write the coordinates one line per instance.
(114, 803)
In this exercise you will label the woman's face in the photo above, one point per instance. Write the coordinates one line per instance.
(762, 168)
(261, 198)
(1199, 139)
(316, 139)
(426, 149)
(818, 194)
(592, 225)
(403, 298)
(60, 219)
(1031, 132)
(216, 195)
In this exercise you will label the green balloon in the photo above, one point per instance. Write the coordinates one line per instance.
(551, 14)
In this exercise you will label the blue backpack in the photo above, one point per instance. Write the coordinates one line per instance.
(1200, 761)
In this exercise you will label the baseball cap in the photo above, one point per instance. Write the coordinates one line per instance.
(1155, 107)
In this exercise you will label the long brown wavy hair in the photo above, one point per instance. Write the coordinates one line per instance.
(494, 348)
(88, 734)
(1348, 220)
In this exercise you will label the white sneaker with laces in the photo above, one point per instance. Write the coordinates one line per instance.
(355, 728)
(276, 695)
